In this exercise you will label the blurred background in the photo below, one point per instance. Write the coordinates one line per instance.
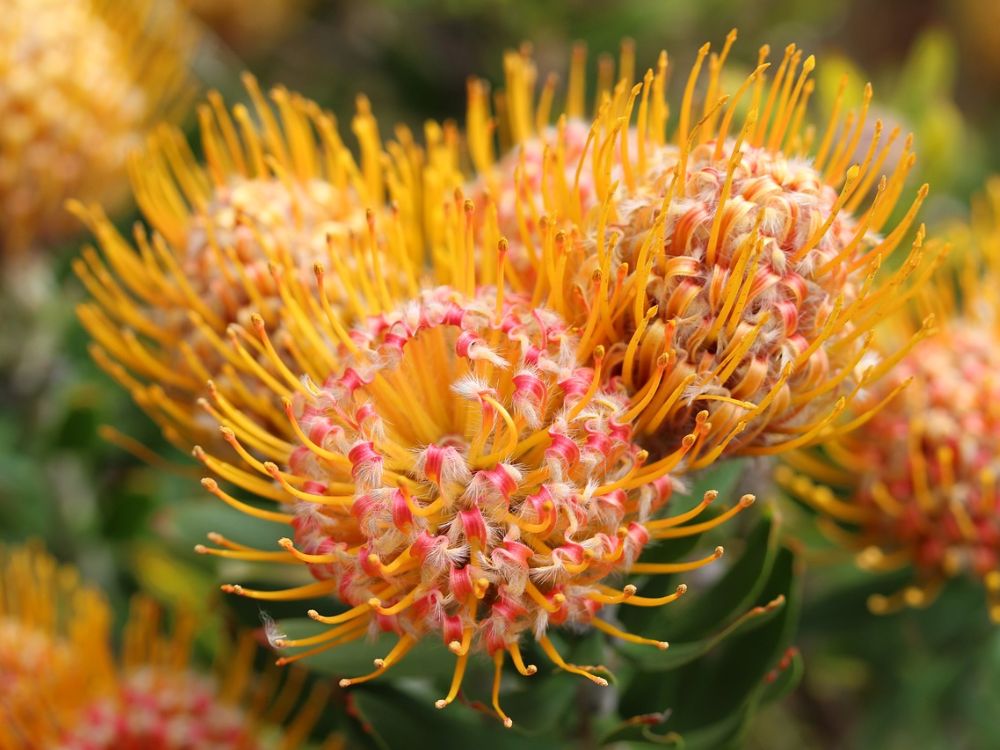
(927, 679)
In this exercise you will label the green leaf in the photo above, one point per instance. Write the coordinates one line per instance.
(540, 703)
(723, 476)
(742, 662)
(397, 718)
(724, 479)
(785, 678)
(172, 578)
(643, 728)
(713, 695)
(188, 521)
(678, 654)
(701, 611)
(722, 734)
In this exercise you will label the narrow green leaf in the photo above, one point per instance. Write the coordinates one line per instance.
(649, 660)
(188, 521)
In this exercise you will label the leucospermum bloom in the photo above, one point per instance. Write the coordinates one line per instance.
(83, 81)
(239, 235)
(545, 172)
(917, 484)
(745, 247)
(460, 476)
(53, 646)
(61, 688)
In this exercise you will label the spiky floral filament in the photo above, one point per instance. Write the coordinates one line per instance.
(62, 686)
(748, 247)
(82, 84)
(240, 235)
(460, 476)
(546, 173)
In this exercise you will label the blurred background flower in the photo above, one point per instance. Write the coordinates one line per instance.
(82, 84)
(65, 687)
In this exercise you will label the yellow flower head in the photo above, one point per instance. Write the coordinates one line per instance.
(239, 236)
(461, 475)
(53, 646)
(916, 485)
(61, 687)
(745, 247)
(82, 83)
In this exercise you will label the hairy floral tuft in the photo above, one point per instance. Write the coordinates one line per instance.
(463, 477)
(923, 470)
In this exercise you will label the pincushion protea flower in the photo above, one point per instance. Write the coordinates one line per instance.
(744, 248)
(60, 685)
(240, 235)
(82, 83)
(460, 476)
(53, 645)
(917, 484)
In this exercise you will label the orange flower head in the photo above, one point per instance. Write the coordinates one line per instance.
(61, 686)
(749, 249)
(83, 81)
(238, 236)
(916, 485)
(53, 645)
(461, 477)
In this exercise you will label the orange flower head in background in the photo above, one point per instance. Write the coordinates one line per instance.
(83, 82)
(753, 251)
(916, 485)
(62, 687)
(240, 235)
(53, 646)
(460, 476)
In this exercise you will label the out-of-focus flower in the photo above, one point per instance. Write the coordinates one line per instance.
(83, 81)
(746, 247)
(920, 98)
(242, 234)
(53, 647)
(916, 485)
(250, 29)
(459, 476)
(61, 687)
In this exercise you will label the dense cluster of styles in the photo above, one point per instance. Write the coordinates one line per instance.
(464, 374)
